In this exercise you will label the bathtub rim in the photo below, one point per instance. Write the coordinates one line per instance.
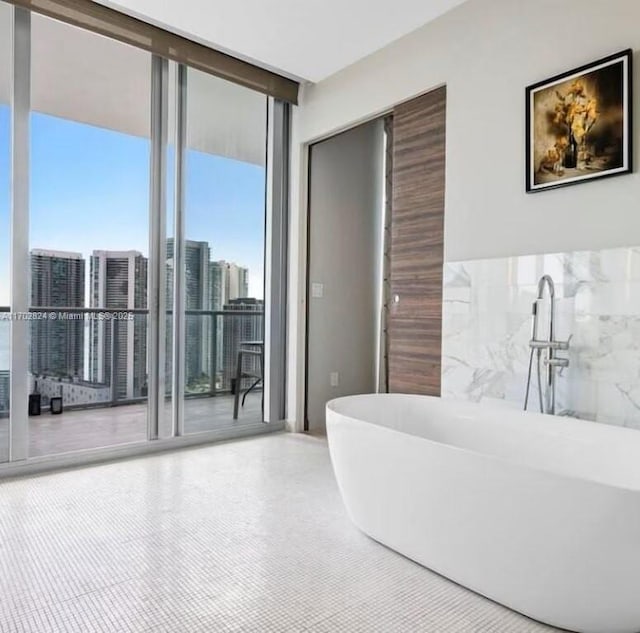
(468, 451)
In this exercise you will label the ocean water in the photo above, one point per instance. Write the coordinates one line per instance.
(4, 345)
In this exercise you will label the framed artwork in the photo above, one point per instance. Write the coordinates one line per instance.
(579, 124)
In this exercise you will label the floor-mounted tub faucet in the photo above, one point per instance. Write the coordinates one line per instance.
(548, 346)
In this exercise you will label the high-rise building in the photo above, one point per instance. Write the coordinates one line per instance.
(4, 391)
(237, 282)
(119, 282)
(197, 326)
(240, 328)
(227, 281)
(218, 284)
(57, 280)
(243, 282)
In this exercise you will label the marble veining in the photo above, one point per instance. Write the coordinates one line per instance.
(487, 326)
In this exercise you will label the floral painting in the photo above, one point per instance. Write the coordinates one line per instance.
(579, 124)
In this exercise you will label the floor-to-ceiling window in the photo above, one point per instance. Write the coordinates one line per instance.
(142, 192)
(224, 252)
(88, 238)
(5, 224)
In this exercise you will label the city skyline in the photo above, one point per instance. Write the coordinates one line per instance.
(237, 279)
(116, 351)
(78, 169)
(207, 293)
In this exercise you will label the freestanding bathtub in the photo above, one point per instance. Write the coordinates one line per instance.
(539, 513)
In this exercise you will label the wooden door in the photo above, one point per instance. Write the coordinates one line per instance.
(417, 245)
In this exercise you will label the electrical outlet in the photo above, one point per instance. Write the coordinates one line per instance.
(334, 378)
(317, 290)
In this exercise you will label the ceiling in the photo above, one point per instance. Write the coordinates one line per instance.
(86, 78)
(304, 39)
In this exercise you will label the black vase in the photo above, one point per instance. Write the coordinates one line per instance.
(571, 153)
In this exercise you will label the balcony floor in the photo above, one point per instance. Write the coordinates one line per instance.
(96, 428)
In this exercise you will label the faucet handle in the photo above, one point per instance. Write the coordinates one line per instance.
(563, 345)
(557, 362)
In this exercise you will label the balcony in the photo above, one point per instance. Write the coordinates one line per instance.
(105, 400)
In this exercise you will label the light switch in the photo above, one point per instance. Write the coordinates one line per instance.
(317, 290)
(334, 378)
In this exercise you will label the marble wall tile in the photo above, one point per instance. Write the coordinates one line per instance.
(487, 325)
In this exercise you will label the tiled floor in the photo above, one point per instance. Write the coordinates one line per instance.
(244, 536)
(95, 428)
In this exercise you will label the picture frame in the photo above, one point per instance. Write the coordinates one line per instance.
(579, 124)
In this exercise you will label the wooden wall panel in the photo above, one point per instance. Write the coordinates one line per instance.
(417, 245)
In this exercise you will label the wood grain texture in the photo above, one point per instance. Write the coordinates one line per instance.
(417, 244)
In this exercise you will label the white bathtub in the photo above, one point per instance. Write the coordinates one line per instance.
(540, 514)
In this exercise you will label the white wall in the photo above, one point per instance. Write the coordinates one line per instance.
(487, 52)
(345, 219)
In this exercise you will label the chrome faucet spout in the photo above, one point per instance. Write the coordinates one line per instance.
(546, 280)
(547, 345)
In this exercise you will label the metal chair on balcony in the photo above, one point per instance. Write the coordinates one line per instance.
(251, 349)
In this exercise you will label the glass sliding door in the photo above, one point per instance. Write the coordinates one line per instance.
(5, 223)
(223, 254)
(144, 220)
(88, 239)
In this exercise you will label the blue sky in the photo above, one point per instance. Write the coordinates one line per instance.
(90, 190)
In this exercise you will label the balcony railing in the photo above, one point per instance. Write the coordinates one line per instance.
(97, 357)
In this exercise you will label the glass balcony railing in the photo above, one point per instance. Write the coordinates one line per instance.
(4, 363)
(97, 357)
